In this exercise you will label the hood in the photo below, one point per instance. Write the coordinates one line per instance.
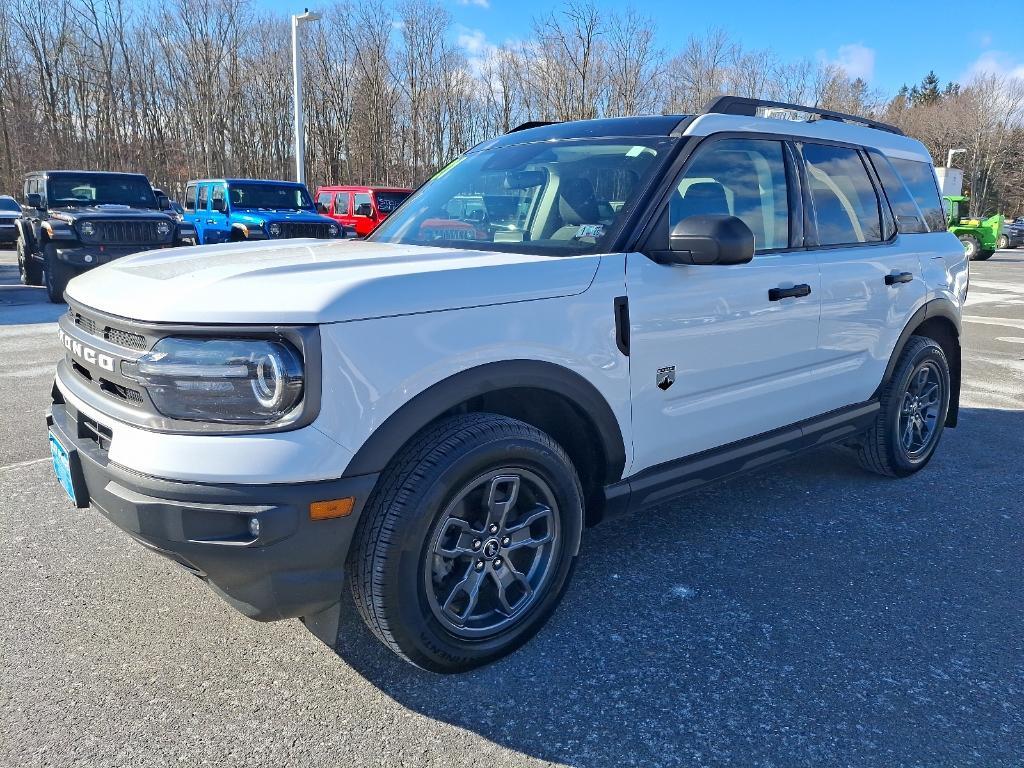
(320, 281)
(260, 215)
(120, 212)
(10, 215)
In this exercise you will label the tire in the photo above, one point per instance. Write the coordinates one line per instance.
(984, 256)
(884, 448)
(56, 275)
(1002, 243)
(972, 247)
(29, 269)
(438, 495)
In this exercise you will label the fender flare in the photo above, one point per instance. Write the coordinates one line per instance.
(25, 233)
(428, 405)
(944, 308)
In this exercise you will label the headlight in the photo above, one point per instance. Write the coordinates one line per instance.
(333, 229)
(163, 228)
(87, 228)
(234, 381)
(274, 229)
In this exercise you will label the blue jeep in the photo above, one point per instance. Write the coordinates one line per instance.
(232, 210)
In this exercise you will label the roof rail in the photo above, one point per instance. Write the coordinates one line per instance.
(532, 124)
(740, 105)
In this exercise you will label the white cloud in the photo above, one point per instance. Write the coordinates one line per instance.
(994, 63)
(477, 3)
(476, 46)
(855, 59)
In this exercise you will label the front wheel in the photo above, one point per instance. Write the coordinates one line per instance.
(1002, 243)
(29, 269)
(914, 405)
(469, 542)
(56, 275)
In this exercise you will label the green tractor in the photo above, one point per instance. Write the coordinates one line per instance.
(979, 236)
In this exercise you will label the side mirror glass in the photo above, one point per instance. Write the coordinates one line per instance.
(219, 204)
(709, 239)
(163, 202)
(34, 200)
(364, 209)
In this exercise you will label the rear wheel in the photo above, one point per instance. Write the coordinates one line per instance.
(972, 247)
(914, 404)
(468, 543)
(56, 275)
(29, 269)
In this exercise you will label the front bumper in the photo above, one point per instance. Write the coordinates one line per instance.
(89, 256)
(294, 567)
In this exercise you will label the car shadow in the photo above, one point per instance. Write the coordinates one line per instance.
(23, 304)
(810, 614)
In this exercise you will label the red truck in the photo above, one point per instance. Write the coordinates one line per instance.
(361, 208)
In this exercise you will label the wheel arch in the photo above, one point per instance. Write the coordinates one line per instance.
(938, 319)
(550, 397)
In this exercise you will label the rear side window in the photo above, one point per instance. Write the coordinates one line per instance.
(920, 180)
(845, 202)
(745, 178)
(189, 203)
(909, 218)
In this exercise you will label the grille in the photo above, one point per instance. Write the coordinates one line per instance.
(130, 396)
(117, 336)
(124, 338)
(124, 233)
(305, 229)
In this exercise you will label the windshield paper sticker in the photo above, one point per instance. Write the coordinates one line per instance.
(590, 230)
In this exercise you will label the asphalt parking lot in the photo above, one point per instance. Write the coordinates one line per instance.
(811, 615)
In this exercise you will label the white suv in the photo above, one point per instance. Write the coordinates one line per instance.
(569, 321)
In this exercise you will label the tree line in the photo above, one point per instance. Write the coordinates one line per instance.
(394, 90)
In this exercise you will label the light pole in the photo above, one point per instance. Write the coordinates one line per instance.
(300, 138)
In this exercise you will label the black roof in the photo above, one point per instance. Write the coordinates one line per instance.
(91, 173)
(651, 125)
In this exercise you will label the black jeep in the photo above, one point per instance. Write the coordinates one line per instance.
(77, 220)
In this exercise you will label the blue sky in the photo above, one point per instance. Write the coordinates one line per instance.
(887, 42)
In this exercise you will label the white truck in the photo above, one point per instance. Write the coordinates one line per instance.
(434, 414)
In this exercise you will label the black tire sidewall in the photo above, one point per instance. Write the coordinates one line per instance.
(898, 460)
(414, 627)
(55, 275)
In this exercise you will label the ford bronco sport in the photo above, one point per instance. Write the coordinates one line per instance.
(637, 306)
(74, 221)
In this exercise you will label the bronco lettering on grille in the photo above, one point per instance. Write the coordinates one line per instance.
(90, 355)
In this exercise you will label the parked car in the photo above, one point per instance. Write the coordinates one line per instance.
(172, 205)
(667, 301)
(233, 210)
(10, 212)
(74, 221)
(1012, 235)
(360, 208)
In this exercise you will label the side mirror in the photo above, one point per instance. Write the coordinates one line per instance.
(163, 202)
(364, 209)
(34, 200)
(220, 204)
(709, 239)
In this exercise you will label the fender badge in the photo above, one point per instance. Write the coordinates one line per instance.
(666, 377)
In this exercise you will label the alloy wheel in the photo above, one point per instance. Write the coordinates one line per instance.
(919, 411)
(492, 552)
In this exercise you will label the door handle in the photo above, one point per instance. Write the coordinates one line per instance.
(796, 292)
(899, 277)
(211, 221)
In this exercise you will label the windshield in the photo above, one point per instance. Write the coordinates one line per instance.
(9, 204)
(555, 198)
(96, 189)
(292, 197)
(388, 201)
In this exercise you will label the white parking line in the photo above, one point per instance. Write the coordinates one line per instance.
(1006, 321)
(20, 464)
